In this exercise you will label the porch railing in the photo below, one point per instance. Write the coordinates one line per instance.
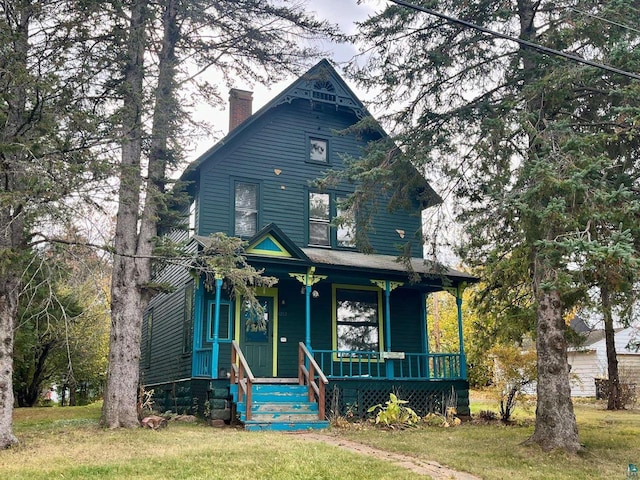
(308, 370)
(242, 375)
(423, 366)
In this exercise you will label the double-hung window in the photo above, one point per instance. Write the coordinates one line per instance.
(323, 230)
(319, 219)
(358, 319)
(246, 197)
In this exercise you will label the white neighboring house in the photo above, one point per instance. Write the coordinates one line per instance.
(589, 361)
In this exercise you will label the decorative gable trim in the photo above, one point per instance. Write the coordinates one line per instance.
(322, 84)
(272, 242)
(268, 246)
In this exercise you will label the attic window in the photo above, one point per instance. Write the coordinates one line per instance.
(324, 91)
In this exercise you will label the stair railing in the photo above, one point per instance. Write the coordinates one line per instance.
(242, 375)
(307, 376)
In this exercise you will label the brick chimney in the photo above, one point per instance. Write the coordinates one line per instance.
(240, 105)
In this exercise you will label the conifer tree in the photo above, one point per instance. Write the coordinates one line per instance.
(532, 147)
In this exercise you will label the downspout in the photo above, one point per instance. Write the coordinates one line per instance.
(215, 354)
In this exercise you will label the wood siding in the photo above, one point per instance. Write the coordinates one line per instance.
(278, 141)
(166, 360)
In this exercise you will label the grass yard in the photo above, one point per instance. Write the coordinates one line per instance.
(611, 441)
(67, 443)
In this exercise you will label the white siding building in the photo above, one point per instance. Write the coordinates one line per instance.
(589, 361)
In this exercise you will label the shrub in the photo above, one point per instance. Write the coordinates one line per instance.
(394, 413)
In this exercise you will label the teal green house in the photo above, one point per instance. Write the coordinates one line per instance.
(341, 329)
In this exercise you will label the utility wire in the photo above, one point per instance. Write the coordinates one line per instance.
(520, 41)
(606, 20)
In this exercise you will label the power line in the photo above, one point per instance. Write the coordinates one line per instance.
(606, 20)
(520, 41)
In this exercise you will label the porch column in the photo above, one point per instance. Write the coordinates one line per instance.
(308, 280)
(215, 354)
(425, 334)
(463, 358)
(197, 327)
(387, 327)
(387, 286)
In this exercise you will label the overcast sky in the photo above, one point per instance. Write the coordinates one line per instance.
(342, 12)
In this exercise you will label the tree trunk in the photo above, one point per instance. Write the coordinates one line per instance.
(130, 272)
(556, 426)
(12, 227)
(614, 400)
(8, 310)
(134, 269)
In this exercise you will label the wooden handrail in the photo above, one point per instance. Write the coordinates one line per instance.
(240, 369)
(308, 377)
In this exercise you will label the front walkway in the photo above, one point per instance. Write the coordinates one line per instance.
(432, 469)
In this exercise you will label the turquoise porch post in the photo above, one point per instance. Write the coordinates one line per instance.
(215, 351)
(463, 358)
(197, 327)
(308, 280)
(307, 333)
(387, 333)
(425, 334)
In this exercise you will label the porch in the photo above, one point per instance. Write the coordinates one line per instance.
(342, 364)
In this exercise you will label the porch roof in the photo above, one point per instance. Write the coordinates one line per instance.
(388, 263)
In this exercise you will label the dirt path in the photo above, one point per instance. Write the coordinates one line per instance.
(433, 469)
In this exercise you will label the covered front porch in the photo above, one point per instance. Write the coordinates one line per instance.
(359, 316)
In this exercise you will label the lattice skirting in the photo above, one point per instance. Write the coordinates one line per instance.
(352, 398)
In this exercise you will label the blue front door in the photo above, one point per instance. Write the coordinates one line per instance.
(256, 338)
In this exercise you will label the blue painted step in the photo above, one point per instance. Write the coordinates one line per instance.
(279, 406)
(254, 426)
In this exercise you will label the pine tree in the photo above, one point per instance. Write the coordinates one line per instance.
(527, 143)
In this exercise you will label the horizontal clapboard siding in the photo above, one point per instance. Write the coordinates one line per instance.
(166, 361)
(278, 141)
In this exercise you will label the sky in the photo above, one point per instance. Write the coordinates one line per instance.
(341, 12)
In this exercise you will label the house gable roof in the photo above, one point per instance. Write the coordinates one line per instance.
(321, 83)
(625, 338)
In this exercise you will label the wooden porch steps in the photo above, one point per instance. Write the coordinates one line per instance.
(279, 405)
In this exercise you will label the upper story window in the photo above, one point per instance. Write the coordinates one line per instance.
(318, 149)
(246, 209)
(346, 230)
(323, 209)
(319, 219)
(192, 218)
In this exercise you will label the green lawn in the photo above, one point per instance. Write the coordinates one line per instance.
(67, 443)
(611, 441)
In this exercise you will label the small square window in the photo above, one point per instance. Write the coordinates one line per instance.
(318, 150)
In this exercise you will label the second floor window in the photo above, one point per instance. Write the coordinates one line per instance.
(319, 219)
(323, 209)
(246, 209)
